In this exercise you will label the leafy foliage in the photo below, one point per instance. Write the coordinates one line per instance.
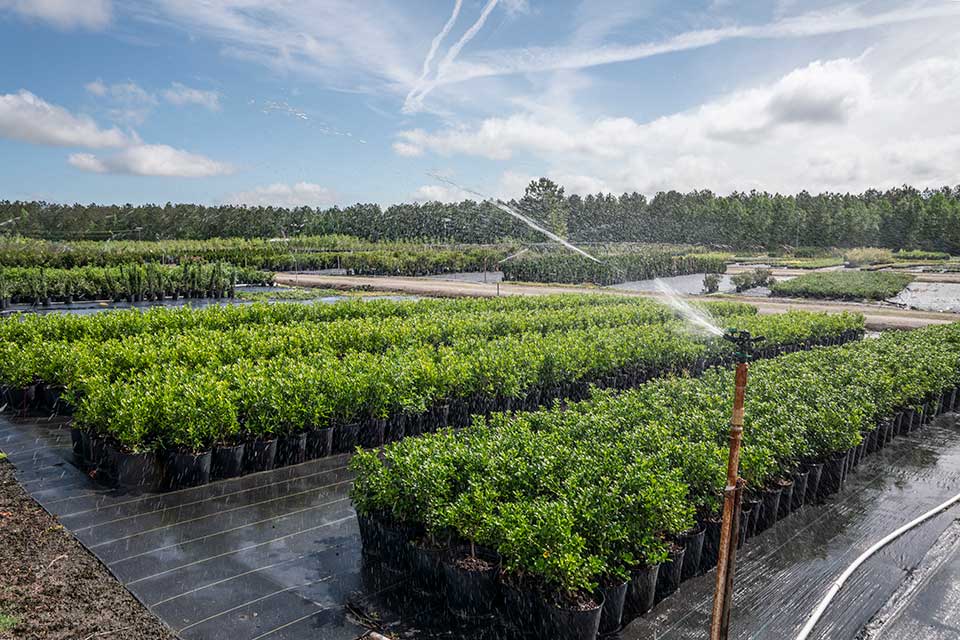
(574, 495)
(844, 285)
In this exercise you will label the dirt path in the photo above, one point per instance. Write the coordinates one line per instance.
(51, 587)
(877, 318)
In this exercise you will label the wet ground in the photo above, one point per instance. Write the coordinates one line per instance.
(930, 296)
(277, 554)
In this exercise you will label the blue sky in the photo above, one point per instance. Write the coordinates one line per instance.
(323, 102)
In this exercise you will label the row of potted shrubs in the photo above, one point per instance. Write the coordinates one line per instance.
(567, 513)
(132, 282)
(65, 361)
(300, 252)
(612, 268)
(172, 321)
(376, 398)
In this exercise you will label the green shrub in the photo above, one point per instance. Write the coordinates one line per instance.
(751, 279)
(570, 496)
(868, 255)
(844, 285)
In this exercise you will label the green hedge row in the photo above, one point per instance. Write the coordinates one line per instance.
(613, 268)
(844, 285)
(299, 253)
(575, 497)
(169, 321)
(133, 282)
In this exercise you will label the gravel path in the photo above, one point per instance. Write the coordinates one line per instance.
(878, 318)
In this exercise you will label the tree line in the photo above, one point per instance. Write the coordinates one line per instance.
(903, 217)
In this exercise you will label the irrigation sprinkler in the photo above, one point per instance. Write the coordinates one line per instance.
(733, 492)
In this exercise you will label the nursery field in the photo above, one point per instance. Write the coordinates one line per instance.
(606, 500)
(274, 384)
(575, 443)
(844, 285)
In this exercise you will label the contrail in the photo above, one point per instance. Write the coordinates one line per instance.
(474, 29)
(433, 51)
(415, 99)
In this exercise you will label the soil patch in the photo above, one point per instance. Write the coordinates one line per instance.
(53, 588)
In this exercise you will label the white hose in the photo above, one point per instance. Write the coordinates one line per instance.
(839, 582)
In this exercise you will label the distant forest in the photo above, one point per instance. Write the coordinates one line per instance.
(898, 218)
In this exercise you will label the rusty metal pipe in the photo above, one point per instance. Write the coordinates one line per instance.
(729, 527)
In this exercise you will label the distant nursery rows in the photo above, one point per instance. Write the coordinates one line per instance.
(132, 282)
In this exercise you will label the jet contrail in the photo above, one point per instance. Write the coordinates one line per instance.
(433, 51)
(415, 98)
(474, 29)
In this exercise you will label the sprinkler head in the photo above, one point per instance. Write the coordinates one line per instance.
(745, 343)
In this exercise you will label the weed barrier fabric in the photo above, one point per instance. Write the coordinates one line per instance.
(278, 554)
(783, 572)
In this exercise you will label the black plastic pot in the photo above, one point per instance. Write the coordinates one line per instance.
(771, 505)
(751, 508)
(954, 398)
(612, 614)
(319, 443)
(291, 449)
(226, 461)
(668, 577)
(814, 475)
(86, 455)
(565, 623)
(186, 469)
(786, 499)
(692, 542)
(426, 566)
(472, 593)
(372, 433)
(346, 437)
(259, 455)
(76, 442)
(395, 428)
(711, 545)
(899, 428)
(832, 478)
(522, 609)
(799, 494)
(641, 591)
(137, 470)
(746, 512)
(872, 440)
(99, 455)
(889, 431)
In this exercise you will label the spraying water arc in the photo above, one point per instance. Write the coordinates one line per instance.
(699, 318)
(519, 216)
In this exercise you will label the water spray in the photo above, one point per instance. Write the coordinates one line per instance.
(519, 216)
(745, 345)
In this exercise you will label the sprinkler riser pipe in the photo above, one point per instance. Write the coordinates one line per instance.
(723, 595)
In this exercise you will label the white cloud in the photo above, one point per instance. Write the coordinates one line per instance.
(63, 14)
(528, 60)
(357, 46)
(842, 124)
(97, 88)
(180, 94)
(28, 118)
(151, 160)
(441, 193)
(301, 194)
(129, 102)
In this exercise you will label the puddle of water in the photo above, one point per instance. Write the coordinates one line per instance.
(930, 296)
